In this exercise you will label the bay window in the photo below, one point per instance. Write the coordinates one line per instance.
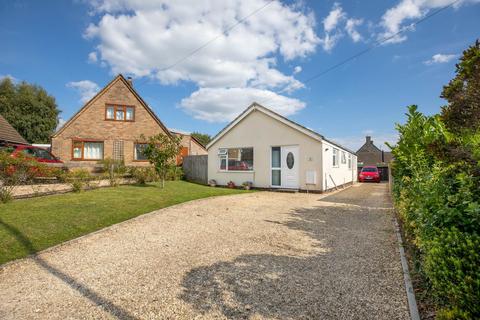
(235, 159)
(119, 113)
(87, 150)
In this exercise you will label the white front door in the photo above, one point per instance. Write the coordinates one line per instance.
(289, 166)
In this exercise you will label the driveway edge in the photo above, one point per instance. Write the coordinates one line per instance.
(412, 302)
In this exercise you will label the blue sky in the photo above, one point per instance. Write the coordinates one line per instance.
(74, 48)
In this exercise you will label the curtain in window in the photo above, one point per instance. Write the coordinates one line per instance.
(129, 115)
(110, 113)
(93, 150)
(119, 114)
(77, 150)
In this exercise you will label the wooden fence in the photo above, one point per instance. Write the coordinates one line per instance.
(195, 168)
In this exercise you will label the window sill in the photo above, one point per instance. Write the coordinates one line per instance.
(235, 171)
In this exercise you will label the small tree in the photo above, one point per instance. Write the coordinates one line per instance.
(203, 138)
(161, 150)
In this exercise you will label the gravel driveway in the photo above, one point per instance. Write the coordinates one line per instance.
(252, 256)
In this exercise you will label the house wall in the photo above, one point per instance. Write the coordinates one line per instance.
(194, 149)
(337, 175)
(91, 124)
(261, 132)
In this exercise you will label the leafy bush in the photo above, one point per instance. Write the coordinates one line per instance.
(142, 175)
(79, 179)
(437, 191)
(174, 173)
(15, 171)
(113, 170)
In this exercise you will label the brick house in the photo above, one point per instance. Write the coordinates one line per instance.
(370, 155)
(189, 146)
(110, 125)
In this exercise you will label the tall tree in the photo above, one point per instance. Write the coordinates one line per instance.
(29, 109)
(203, 138)
(463, 94)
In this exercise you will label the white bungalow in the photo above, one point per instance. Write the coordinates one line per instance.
(267, 149)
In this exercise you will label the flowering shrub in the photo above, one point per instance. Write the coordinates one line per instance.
(15, 171)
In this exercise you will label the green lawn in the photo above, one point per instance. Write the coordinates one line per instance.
(31, 225)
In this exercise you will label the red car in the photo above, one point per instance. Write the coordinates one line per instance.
(369, 173)
(36, 153)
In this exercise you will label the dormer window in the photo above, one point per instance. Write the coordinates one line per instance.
(119, 113)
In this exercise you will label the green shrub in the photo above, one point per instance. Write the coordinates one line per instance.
(438, 200)
(174, 173)
(79, 179)
(452, 263)
(113, 170)
(142, 175)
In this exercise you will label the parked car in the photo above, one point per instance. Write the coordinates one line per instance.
(369, 173)
(31, 152)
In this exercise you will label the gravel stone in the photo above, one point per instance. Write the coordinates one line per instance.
(260, 255)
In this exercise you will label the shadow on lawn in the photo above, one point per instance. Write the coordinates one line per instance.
(88, 293)
(335, 280)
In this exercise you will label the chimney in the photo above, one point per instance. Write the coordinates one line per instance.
(369, 140)
(130, 81)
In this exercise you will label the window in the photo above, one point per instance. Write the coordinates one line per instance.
(119, 113)
(276, 167)
(349, 161)
(335, 157)
(87, 150)
(344, 157)
(43, 154)
(110, 113)
(138, 152)
(129, 114)
(236, 159)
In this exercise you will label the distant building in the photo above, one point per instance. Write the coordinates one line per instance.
(370, 155)
(8, 134)
(189, 146)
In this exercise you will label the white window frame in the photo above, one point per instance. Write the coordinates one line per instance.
(223, 154)
(335, 158)
(350, 161)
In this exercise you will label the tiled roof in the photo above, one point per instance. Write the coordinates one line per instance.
(9, 134)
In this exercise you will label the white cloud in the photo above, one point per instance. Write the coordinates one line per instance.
(147, 39)
(440, 58)
(394, 19)
(61, 122)
(351, 28)
(86, 88)
(144, 38)
(297, 69)
(92, 57)
(9, 76)
(224, 104)
(335, 23)
(335, 16)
